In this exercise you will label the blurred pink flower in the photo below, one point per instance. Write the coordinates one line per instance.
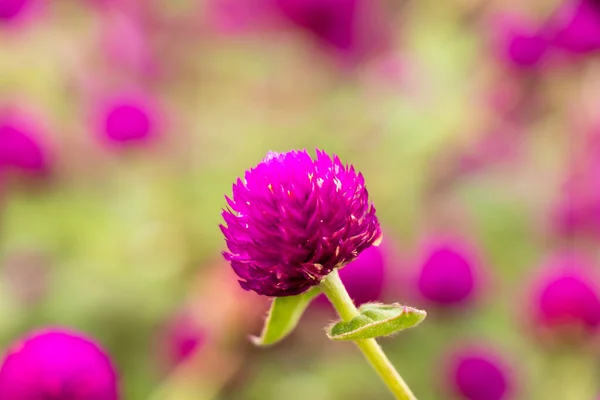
(519, 42)
(57, 364)
(576, 27)
(129, 119)
(364, 277)
(447, 272)
(353, 29)
(182, 336)
(22, 143)
(477, 373)
(565, 298)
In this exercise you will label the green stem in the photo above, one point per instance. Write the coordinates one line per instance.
(335, 291)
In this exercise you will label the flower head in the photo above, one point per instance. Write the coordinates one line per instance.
(566, 296)
(57, 364)
(21, 144)
(447, 272)
(292, 220)
(478, 374)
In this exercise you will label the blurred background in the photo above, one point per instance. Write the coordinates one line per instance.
(123, 123)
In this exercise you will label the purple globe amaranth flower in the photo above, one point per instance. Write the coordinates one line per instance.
(478, 374)
(292, 220)
(447, 272)
(21, 145)
(576, 27)
(129, 119)
(566, 297)
(57, 364)
(520, 42)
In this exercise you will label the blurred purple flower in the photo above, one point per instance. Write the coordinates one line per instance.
(520, 42)
(447, 272)
(21, 145)
(566, 297)
(353, 28)
(129, 120)
(293, 220)
(363, 277)
(12, 9)
(57, 364)
(181, 338)
(478, 374)
(576, 27)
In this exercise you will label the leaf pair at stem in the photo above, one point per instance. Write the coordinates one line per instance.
(374, 320)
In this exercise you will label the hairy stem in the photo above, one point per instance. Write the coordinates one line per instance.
(335, 291)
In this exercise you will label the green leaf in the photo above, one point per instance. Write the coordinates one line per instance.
(283, 317)
(376, 320)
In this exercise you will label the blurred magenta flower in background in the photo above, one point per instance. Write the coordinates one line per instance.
(23, 146)
(519, 41)
(182, 336)
(129, 119)
(576, 27)
(292, 220)
(364, 277)
(354, 29)
(565, 297)
(479, 374)
(13, 9)
(447, 272)
(57, 364)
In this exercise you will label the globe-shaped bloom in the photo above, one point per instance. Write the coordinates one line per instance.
(128, 120)
(57, 364)
(478, 374)
(21, 145)
(447, 272)
(292, 220)
(566, 296)
(576, 27)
